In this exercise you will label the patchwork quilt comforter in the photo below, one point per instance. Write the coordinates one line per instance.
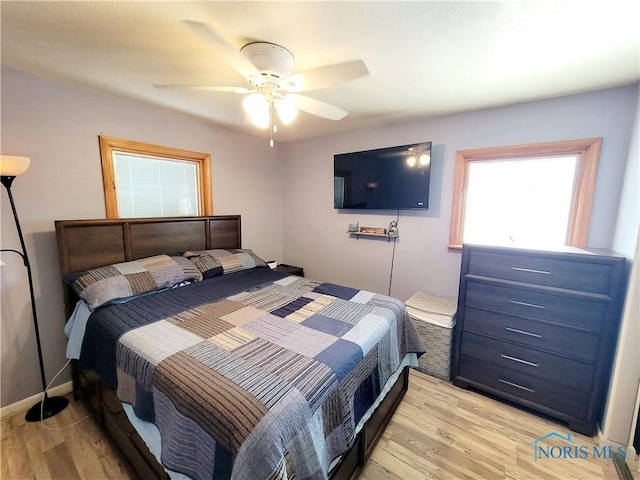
(253, 375)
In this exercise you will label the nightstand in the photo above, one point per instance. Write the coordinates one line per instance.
(290, 269)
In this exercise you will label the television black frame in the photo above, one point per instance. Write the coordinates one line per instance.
(398, 149)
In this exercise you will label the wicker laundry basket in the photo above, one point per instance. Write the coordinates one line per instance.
(434, 318)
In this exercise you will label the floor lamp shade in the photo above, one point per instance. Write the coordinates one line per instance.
(10, 167)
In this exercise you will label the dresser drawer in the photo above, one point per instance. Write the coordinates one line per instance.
(555, 272)
(557, 370)
(582, 313)
(516, 384)
(571, 343)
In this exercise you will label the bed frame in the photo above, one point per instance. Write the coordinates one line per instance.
(87, 244)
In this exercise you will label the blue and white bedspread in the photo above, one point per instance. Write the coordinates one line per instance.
(254, 374)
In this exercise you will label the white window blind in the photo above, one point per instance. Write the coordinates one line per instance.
(149, 186)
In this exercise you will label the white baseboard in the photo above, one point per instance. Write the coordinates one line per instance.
(604, 441)
(27, 403)
(601, 440)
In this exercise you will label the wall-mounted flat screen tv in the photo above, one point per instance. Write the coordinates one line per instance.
(392, 178)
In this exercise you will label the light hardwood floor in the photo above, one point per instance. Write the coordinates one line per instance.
(82, 451)
(438, 432)
(443, 432)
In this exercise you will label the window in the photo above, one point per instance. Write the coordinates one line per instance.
(143, 180)
(538, 194)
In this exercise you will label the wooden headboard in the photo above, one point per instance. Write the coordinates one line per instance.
(87, 244)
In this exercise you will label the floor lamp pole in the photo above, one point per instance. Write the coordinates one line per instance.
(49, 406)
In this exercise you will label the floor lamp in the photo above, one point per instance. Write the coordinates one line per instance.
(10, 167)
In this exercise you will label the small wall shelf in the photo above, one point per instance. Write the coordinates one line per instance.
(379, 235)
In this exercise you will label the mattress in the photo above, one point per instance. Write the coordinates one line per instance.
(254, 374)
(151, 435)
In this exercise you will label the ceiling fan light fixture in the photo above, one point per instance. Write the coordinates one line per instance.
(287, 110)
(261, 119)
(257, 107)
(255, 104)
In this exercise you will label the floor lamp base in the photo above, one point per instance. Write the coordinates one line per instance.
(52, 406)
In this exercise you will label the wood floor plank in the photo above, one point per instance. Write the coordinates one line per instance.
(82, 449)
(396, 463)
(61, 464)
(439, 432)
(374, 470)
(26, 437)
(14, 463)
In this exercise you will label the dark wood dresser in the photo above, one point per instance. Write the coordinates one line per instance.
(539, 328)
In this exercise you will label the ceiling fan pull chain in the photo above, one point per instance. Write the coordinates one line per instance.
(274, 127)
(274, 122)
(275, 117)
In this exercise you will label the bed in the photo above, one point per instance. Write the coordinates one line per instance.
(248, 373)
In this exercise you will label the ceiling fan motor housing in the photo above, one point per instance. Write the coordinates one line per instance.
(274, 62)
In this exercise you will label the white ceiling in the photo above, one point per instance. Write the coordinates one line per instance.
(424, 58)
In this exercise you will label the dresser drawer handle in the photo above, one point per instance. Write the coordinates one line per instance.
(515, 330)
(531, 270)
(517, 386)
(525, 304)
(519, 360)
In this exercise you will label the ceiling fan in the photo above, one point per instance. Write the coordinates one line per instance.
(272, 92)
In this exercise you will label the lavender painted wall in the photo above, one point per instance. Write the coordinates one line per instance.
(284, 194)
(57, 125)
(625, 381)
(314, 233)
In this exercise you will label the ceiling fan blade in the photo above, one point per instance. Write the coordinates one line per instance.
(224, 48)
(204, 88)
(318, 108)
(326, 76)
